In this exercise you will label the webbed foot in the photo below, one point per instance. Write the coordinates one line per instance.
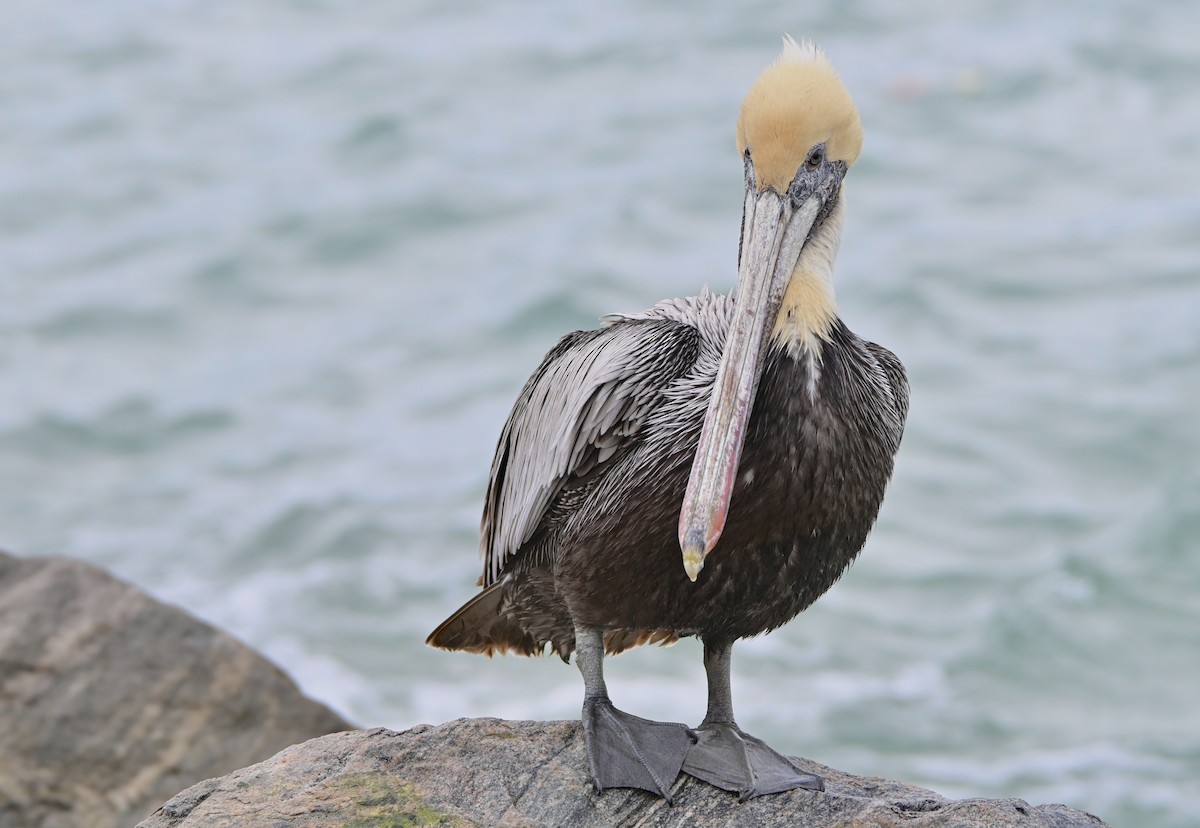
(625, 751)
(729, 758)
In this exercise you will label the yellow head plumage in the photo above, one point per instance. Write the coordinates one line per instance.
(796, 103)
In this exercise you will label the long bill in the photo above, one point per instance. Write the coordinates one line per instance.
(773, 233)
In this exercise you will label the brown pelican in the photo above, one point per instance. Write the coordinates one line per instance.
(756, 433)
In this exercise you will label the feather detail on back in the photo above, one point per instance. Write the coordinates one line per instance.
(588, 403)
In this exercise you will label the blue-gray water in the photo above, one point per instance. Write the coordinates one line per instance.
(272, 273)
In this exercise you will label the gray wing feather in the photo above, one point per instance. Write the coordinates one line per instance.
(894, 380)
(588, 402)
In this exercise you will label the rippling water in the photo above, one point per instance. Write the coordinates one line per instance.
(272, 273)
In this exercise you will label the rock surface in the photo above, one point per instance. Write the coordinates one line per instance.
(111, 701)
(493, 772)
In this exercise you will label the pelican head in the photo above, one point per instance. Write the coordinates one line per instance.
(798, 134)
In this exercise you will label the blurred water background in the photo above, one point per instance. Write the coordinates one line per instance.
(272, 273)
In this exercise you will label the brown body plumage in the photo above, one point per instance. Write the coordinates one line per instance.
(606, 552)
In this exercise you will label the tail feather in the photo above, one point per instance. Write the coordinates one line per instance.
(478, 627)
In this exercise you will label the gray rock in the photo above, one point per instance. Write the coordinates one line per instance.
(111, 701)
(493, 772)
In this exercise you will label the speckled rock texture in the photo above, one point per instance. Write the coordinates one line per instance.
(493, 772)
(110, 701)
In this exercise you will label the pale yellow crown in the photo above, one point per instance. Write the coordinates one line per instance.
(796, 103)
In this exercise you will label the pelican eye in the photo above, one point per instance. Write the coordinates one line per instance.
(816, 157)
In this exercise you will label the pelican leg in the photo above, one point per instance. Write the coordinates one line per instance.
(729, 758)
(624, 751)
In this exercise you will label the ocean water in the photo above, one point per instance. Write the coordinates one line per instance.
(272, 273)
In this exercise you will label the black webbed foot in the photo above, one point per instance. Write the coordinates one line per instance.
(625, 751)
(733, 760)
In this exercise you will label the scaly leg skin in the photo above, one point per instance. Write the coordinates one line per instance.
(624, 751)
(729, 758)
